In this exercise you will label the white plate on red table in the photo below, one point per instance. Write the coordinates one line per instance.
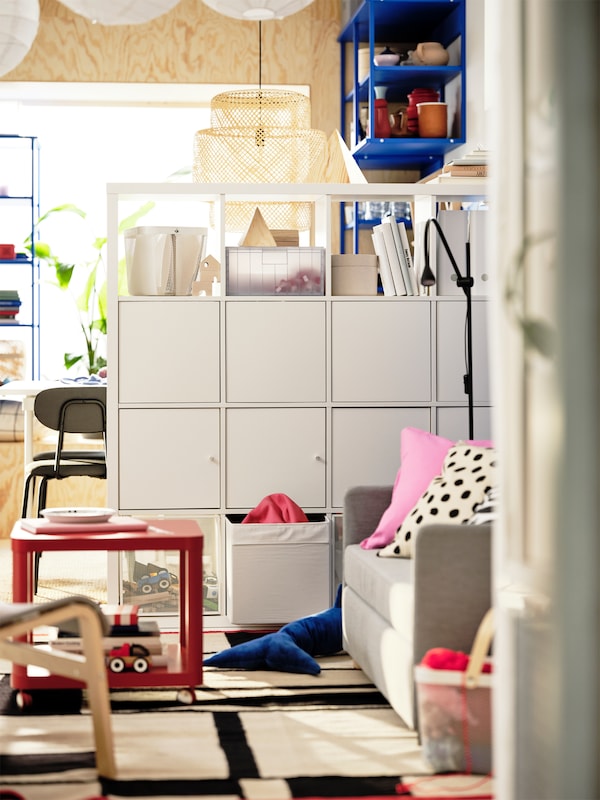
(78, 515)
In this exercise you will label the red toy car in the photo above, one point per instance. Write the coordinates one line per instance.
(129, 656)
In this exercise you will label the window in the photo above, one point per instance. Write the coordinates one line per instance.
(91, 135)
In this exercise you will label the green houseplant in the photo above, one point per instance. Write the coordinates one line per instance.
(91, 300)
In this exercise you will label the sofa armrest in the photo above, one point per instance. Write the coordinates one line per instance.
(363, 507)
(453, 585)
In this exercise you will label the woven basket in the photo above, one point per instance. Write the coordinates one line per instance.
(260, 136)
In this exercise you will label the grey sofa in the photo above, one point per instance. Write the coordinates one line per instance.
(395, 609)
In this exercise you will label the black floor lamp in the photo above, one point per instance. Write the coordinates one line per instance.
(466, 284)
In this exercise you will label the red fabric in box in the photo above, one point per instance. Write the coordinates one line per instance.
(276, 508)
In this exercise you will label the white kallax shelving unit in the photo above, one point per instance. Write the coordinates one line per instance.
(215, 402)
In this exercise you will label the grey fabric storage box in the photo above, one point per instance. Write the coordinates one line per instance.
(277, 573)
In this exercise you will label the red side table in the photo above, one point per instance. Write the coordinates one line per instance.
(184, 659)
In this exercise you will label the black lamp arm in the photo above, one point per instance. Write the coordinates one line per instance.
(465, 282)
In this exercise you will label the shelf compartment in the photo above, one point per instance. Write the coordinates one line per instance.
(421, 18)
(402, 80)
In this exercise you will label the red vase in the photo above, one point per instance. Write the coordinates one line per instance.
(383, 128)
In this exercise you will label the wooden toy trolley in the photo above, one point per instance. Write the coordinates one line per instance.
(183, 669)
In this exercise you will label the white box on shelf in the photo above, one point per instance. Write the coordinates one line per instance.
(277, 573)
(275, 270)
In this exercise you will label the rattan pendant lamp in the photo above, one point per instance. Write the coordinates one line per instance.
(260, 136)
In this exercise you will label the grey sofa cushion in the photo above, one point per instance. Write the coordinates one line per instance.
(453, 565)
(381, 652)
(363, 506)
(387, 583)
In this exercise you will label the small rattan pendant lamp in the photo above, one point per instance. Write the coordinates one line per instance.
(260, 136)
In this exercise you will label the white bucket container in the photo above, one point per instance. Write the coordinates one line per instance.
(163, 261)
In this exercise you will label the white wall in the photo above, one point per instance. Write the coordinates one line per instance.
(478, 96)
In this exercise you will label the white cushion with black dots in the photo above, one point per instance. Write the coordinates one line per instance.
(468, 473)
(488, 511)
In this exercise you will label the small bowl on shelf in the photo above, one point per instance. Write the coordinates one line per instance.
(387, 58)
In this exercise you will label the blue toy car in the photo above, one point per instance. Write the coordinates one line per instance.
(155, 581)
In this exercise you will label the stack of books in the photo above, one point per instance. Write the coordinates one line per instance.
(396, 268)
(10, 304)
(473, 165)
(125, 628)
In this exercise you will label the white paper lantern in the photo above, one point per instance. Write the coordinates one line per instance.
(257, 9)
(19, 21)
(120, 12)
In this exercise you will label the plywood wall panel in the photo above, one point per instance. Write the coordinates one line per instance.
(193, 44)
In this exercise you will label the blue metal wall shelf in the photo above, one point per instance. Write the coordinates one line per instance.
(408, 22)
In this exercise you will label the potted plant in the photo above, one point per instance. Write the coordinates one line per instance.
(91, 300)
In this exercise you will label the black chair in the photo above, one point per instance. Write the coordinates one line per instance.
(68, 409)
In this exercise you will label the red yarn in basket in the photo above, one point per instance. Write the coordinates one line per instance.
(444, 658)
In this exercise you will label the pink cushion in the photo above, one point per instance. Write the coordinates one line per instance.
(421, 458)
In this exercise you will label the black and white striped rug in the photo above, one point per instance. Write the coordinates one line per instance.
(252, 735)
